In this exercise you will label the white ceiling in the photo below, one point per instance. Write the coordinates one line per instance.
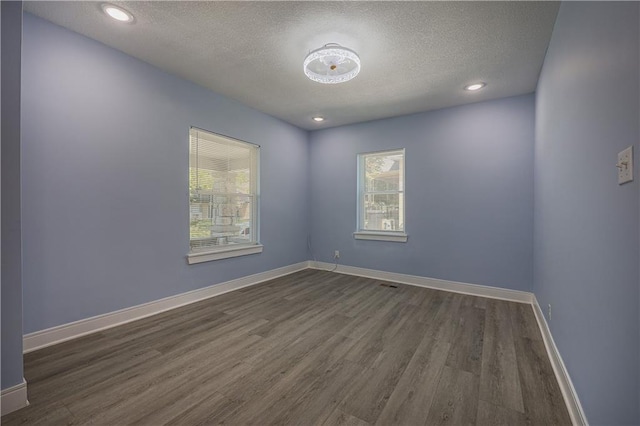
(416, 56)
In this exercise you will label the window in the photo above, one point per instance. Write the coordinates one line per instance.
(381, 196)
(223, 197)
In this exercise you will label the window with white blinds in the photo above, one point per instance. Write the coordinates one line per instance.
(381, 196)
(223, 192)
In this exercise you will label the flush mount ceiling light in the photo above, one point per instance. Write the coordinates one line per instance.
(475, 86)
(318, 119)
(117, 13)
(332, 64)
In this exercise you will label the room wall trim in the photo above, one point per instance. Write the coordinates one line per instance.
(562, 375)
(14, 398)
(435, 283)
(51, 336)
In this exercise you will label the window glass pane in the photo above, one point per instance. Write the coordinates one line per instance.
(233, 182)
(381, 191)
(219, 220)
(383, 172)
(382, 212)
(222, 191)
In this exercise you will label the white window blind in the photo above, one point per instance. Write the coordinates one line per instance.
(381, 191)
(223, 192)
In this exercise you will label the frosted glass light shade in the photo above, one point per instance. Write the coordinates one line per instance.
(332, 64)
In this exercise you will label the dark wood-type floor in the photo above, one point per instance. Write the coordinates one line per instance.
(315, 348)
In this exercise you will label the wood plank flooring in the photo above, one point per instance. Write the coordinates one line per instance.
(311, 348)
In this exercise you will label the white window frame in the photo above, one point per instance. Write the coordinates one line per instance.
(240, 249)
(379, 235)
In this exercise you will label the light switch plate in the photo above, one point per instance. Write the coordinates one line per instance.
(625, 166)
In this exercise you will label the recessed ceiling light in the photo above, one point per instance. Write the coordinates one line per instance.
(475, 86)
(117, 13)
(318, 119)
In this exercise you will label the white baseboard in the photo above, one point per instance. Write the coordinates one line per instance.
(14, 398)
(73, 330)
(576, 412)
(51, 336)
(438, 284)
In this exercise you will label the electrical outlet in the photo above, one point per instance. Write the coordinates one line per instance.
(625, 166)
(549, 312)
(336, 254)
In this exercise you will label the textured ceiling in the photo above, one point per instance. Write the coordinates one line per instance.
(416, 56)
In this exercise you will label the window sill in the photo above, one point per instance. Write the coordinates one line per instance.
(398, 237)
(224, 253)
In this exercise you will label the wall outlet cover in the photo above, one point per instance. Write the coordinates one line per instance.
(625, 165)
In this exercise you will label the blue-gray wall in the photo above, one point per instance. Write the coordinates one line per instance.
(469, 193)
(105, 181)
(586, 226)
(105, 192)
(11, 243)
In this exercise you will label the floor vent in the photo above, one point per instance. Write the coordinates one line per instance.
(388, 285)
